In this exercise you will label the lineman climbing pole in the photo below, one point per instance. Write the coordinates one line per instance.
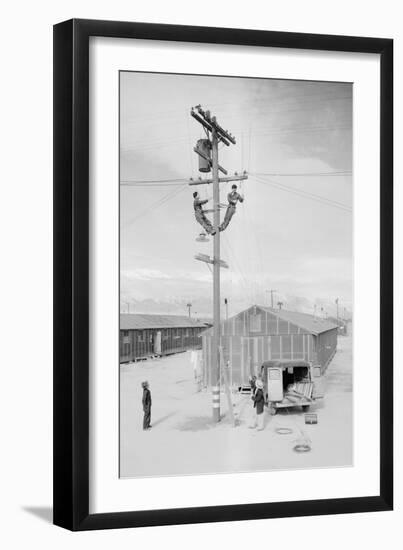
(215, 134)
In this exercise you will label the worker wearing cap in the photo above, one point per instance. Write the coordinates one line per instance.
(200, 215)
(258, 404)
(233, 198)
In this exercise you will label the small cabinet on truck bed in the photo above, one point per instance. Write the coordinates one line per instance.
(291, 384)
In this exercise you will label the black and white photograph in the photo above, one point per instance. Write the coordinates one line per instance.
(236, 274)
(200, 293)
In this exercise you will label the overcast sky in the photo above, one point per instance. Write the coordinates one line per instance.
(283, 237)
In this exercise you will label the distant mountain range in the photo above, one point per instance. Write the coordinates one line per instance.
(202, 308)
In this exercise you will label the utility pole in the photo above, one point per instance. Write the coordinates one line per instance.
(272, 291)
(189, 305)
(215, 134)
(337, 310)
(216, 279)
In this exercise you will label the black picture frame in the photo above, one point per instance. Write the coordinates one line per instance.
(71, 274)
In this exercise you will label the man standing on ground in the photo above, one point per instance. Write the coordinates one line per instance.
(258, 404)
(146, 405)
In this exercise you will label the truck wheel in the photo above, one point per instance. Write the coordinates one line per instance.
(305, 408)
(272, 410)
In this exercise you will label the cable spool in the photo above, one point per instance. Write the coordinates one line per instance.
(282, 430)
(302, 448)
(302, 445)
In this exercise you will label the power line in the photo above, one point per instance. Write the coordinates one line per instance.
(298, 174)
(304, 194)
(297, 129)
(157, 204)
(234, 261)
(164, 142)
(249, 236)
(307, 195)
(140, 183)
(180, 181)
(253, 259)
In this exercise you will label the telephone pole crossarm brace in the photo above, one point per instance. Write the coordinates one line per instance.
(206, 259)
(235, 177)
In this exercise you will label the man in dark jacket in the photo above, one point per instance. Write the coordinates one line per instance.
(146, 405)
(258, 404)
(252, 382)
(200, 215)
(233, 198)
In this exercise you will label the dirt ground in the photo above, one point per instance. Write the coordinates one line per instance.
(183, 436)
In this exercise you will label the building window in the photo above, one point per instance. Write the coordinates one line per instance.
(256, 323)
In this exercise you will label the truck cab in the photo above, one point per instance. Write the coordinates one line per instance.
(291, 384)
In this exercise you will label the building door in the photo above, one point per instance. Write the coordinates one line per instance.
(157, 343)
(126, 347)
(250, 355)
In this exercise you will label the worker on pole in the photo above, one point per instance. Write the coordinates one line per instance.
(200, 215)
(233, 198)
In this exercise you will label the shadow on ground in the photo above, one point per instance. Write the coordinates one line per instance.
(195, 424)
(45, 513)
(199, 423)
(162, 419)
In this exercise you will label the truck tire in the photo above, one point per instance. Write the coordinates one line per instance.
(272, 410)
